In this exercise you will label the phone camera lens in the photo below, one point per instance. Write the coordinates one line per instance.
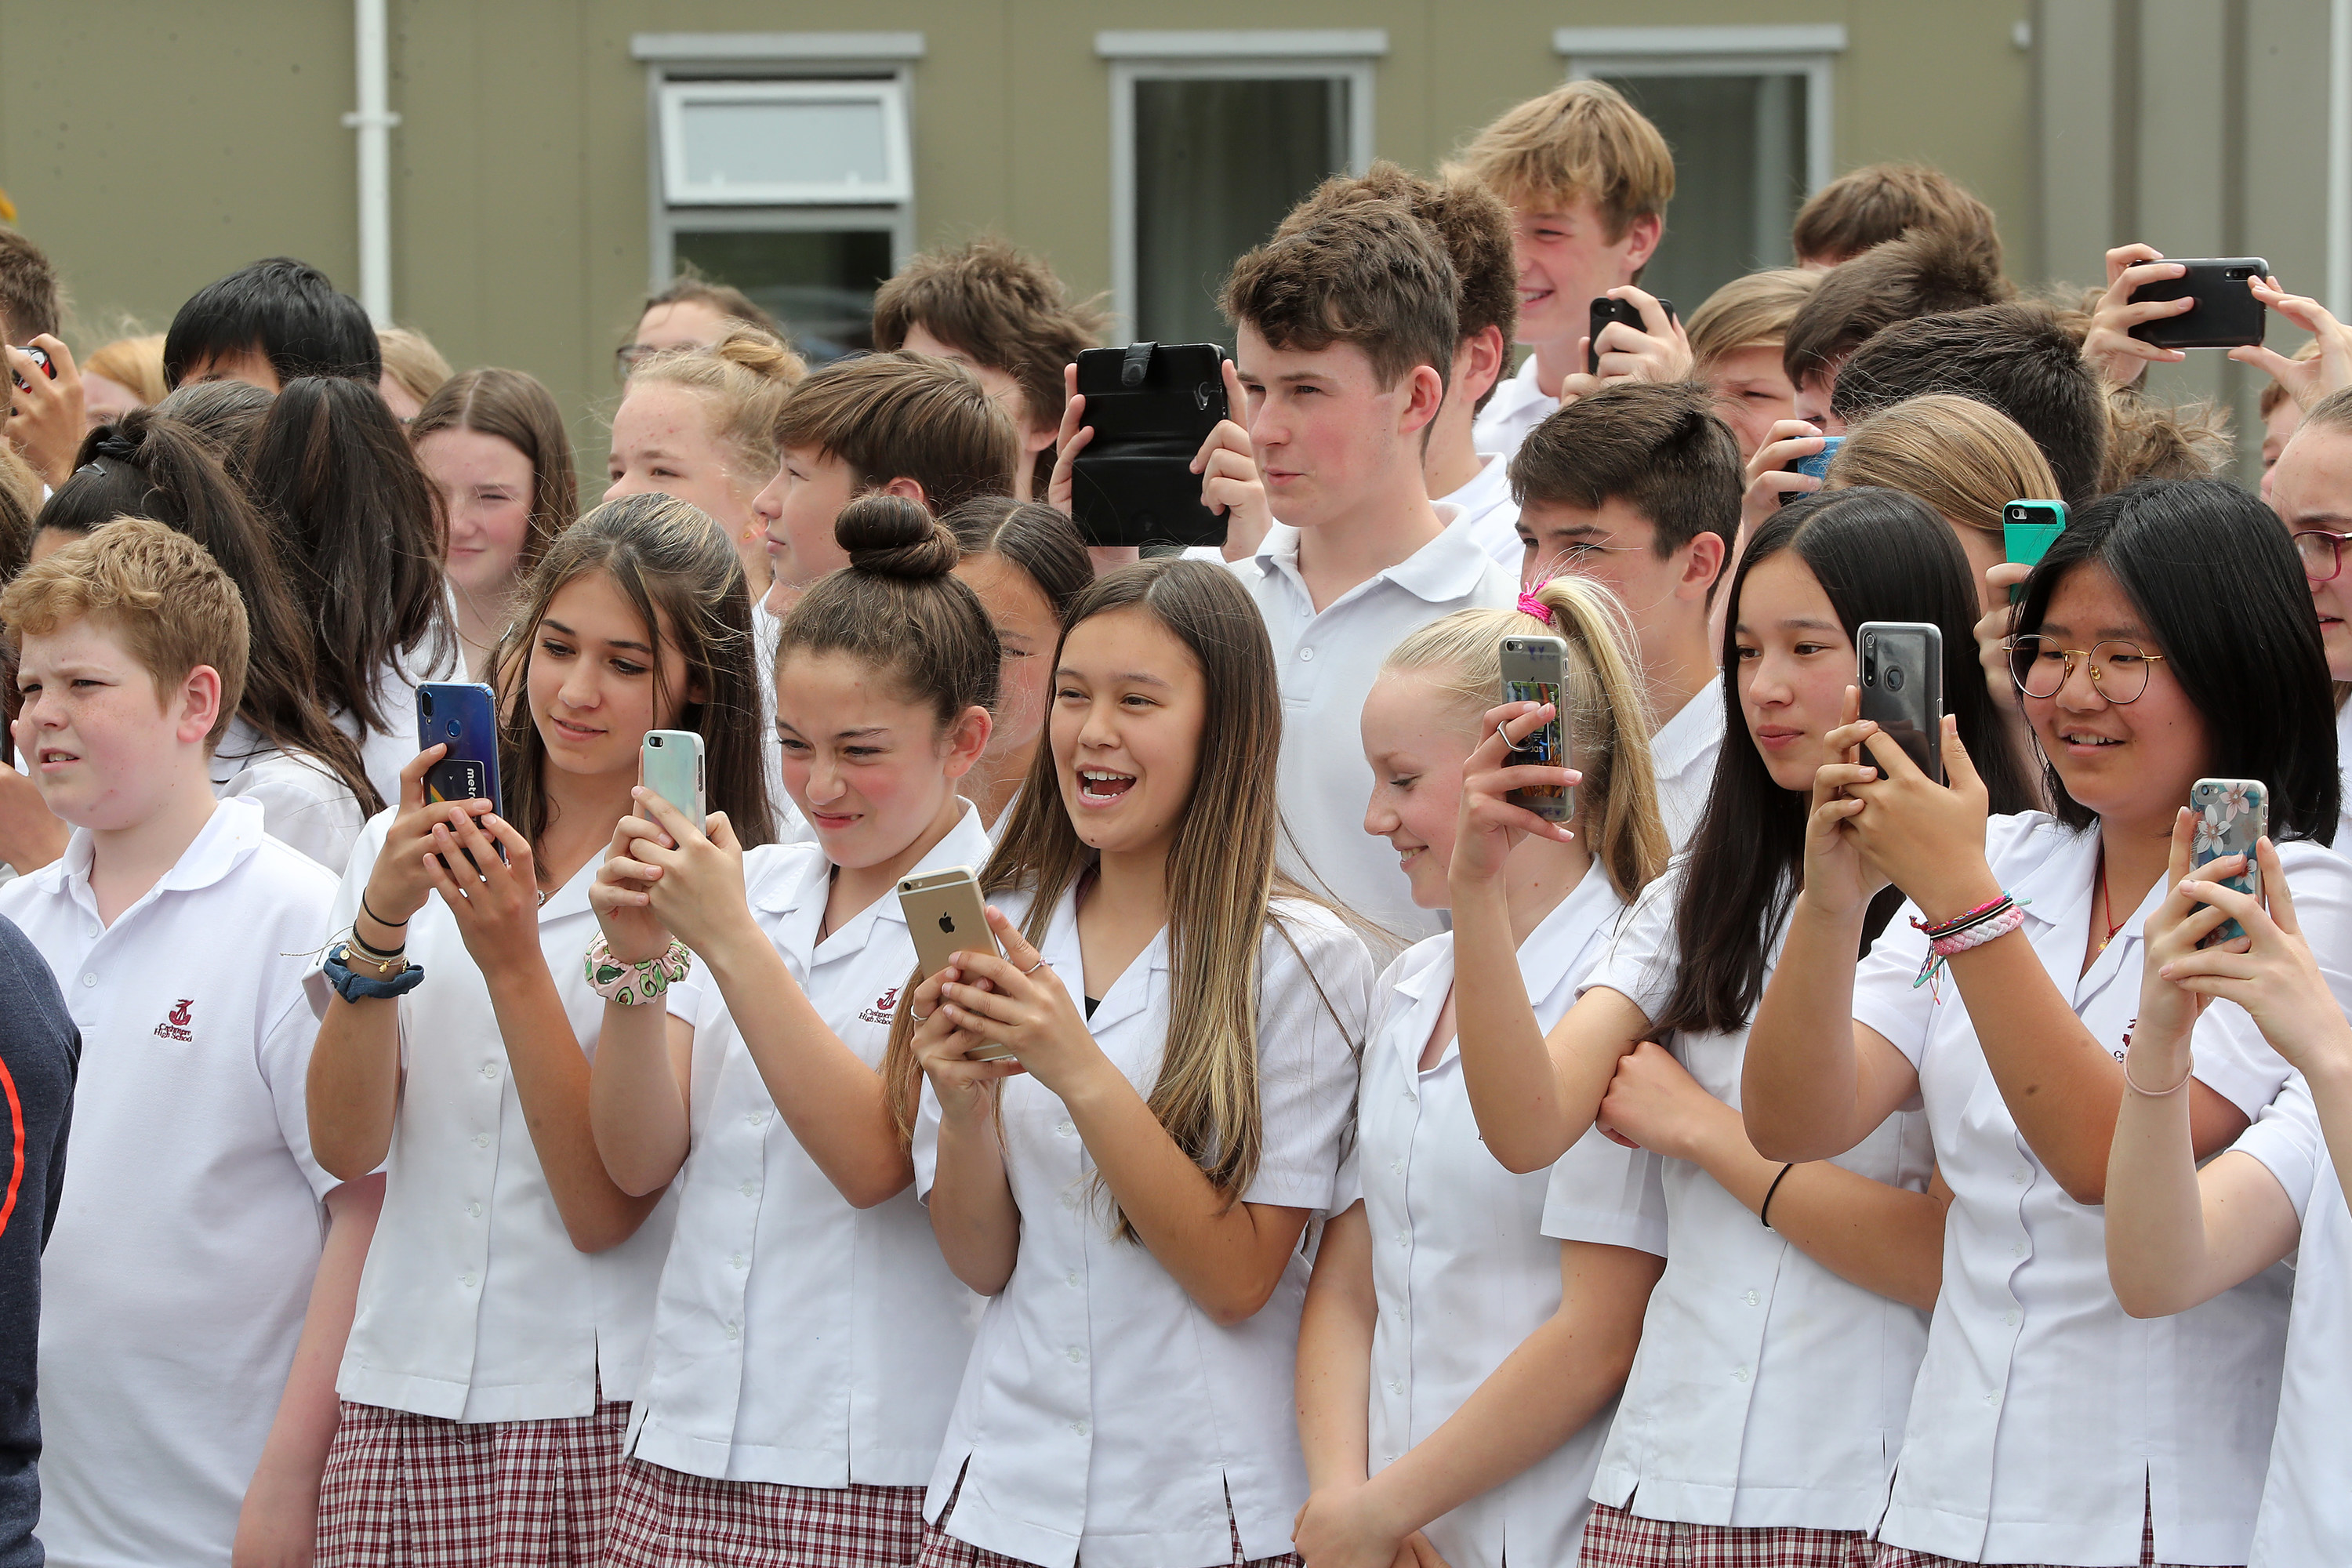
(452, 729)
(1894, 678)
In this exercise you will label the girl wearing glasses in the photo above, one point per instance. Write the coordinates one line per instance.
(2307, 488)
(2167, 636)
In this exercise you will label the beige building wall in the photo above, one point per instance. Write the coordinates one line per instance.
(151, 148)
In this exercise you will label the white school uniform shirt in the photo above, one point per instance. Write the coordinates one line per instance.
(1463, 1262)
(2045, 1418)
(1517, 406)
(2306, 1509)
(1485, 511)
(174, 1283)
(767, 631)
(474, 1304)
(1767, 1391)
(1682, 752)
(1326, 662)
(797, 1339)
(383, 752)
(1103, 1415)
(302, 802)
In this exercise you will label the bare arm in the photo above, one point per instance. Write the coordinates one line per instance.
(1544, 1392)
(638, 1096)
(974, 1215)
(279, 1520)
(1334, 1354)
(353, 1088)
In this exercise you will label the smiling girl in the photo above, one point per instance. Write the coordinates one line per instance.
(1131, 1200)
(2167, 636)
(700, 424)
(1467, 1360)
(807, 1344)
(1762, 1413)
(493, 444)
(507, 1298)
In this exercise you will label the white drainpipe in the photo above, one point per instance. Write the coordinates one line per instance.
(2339, 158)
(373, 121)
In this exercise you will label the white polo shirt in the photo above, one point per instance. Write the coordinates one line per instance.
(1486, 512)
(1682, 756)
(302, 802)
(1327, 663)
(1517, 406)
(1767, 1391)
(2045, 1417)
(174, 1283)
(2306, 1510)
(474, 1304)
(1462, 1263)
(1103, 1415)
(797, 1339)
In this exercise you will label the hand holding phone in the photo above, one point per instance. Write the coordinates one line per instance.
(1533, 671)
(2226, 314)
(945, 916)
(462, 715)
(1817, 466)
(2233, 816)
(2028, 529)
(1149, 409)
(1625, 312)
(670, 764)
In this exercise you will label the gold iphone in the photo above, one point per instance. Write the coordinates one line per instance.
(945, 915)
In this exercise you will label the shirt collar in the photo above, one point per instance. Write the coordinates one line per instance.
(1489, 485)
(231, 833)
(1690, 731)
(1449, 567)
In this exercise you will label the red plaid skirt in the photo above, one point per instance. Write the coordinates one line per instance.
(667, 1518)
(403, 1490)
(1904, 1557)
(941, 1550)
(1615, 1538)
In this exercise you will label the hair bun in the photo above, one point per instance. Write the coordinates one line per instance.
(893, 536)
(762, 353)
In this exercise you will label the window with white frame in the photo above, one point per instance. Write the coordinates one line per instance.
(1214, 136)
(783, 164)
(1747, 112)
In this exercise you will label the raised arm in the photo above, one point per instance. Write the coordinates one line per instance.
(974, 1215)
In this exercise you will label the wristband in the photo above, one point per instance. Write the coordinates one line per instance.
(634, 984)
(1764, 1212)
(355, 987)
(2132, 1084)
(1986, 922)
(388, 925)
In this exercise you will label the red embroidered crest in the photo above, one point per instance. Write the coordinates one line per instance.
(175, 1022)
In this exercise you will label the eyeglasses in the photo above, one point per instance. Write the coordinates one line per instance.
(628, 356)
(2118, 669)
(2323, 554)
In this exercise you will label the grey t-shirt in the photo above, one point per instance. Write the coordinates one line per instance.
(40, 1050)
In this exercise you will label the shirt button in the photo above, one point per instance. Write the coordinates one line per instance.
(1410, 1095)
(1072, 1276)
(1075, 1355)
(1740, 1374)
(1066, 1127)
(1397, 1386)
(1993, 1398)
(90, 979)
(750, 1189)
(481, 1139)
(474, 1210)
(1751, 1298)
(2020, 1176)
(1080, 1428)
(734, 1330)
(1397, 1166)
(755, 1117)
(2010, 1317)
(466, 1280)
(737, 1260)
(1307, 654)
(1405, 1238)
(2018, 1250)
(490, 1069)
(1070, 1202)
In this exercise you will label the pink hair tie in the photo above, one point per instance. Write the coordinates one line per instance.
(1531, 606)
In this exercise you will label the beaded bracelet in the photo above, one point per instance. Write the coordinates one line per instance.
(634, 984)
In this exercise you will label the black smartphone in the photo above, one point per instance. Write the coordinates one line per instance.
(1903, 688)
(1605, 311)
(41, 358)
(1149, 405)
(2226, 315)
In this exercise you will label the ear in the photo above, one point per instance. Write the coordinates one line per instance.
(1478, 364)
(902, 485)
(1424, 392)
(1038, 438)
(199, 702)
(1642, 236)
(1702, 563)
(966, 739)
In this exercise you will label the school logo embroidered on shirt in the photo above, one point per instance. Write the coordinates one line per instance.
(883, 1005)
(176, 1022)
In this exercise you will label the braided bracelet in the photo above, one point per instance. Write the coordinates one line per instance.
(2002, 921)
(634, 984)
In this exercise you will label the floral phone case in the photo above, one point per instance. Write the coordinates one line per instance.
(2232, 816)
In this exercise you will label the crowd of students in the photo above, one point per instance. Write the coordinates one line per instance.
(1381, 1174)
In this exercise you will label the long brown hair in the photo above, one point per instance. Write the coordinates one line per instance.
(516, 408)
(675, 566)
(1220, 870)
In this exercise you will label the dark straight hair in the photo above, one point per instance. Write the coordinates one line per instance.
(360, 534)
(285, 311)
(1043, 543)
(1880, 555)
(2218, 584)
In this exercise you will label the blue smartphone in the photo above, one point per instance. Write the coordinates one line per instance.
(1818, 465)
(465, 718)
(2028, 529)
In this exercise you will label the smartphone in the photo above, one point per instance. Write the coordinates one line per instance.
(670, 764)
(1818, 465)
(1532, 672)
(1151, 406)
(1605, 311)
(1903, 688)
(946, 916)
(2226, 315)
(2028, 529)
(41, 358)
(465, 718)
(2231, 816)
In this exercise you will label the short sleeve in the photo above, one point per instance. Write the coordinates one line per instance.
(1604, 1192)
(284, 1061)
(358, 866)
(1886, 996)
(1313, 1010)
(2286, 1138)
(1643, 961)
(2230, 1057)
